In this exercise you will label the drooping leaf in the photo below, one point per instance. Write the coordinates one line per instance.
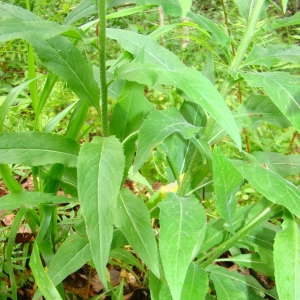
(181, 224)
(65, 60)
(156, 128)
(195, 284)
(290, 21)
(266, 182)
(283, 165)
(133, 219)
(71, 256)
(37, 148)
(283, 89)
(231, 284)
(227, 181)
(272, 54)
(100, 172)
(84, 9)
(287, 258)
(257, 109)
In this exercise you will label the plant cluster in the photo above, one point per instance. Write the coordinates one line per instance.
(224, 197)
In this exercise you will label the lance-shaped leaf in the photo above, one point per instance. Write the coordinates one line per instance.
(181, 226)
(195, 284)
(156, 128)
(196, 86)
(159, 289)
(227, 181)
(133, 219)
(283, 89)
(37, 148)
(100, 171)
(65, 60)
(287, 258)
(71, 256)
(8, 10)
(272, 54)
(293, 20)
(271, 185)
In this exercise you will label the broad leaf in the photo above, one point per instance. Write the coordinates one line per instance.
(233, 285)
(283, 165)
(100, 172)
(227, 181)
(195, 284)
(31, 200)
(293, 20)
(71, 256)
(65, 60)
(37, 148)
(133, 219)
(8, 10)
(272, 54)
(287, 258)
(266, 182)
(156, 128)
(257, 109)
(164, 67)
(181, 224)
(283, 89)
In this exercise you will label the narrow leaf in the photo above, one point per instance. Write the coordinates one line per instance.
(283, 89)
(181, 224)
(156, 128)
(227, 181)
(284, 5)
(100, 172)
(266, 182)
(287, 258)
(133, 219)
(37, 148)
(159, 289)
(293, 20)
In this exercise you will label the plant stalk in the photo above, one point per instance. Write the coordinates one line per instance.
(102, 62)
(216, 252)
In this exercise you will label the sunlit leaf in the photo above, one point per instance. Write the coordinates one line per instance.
(181, 224)
(287, 258)
(100, 172)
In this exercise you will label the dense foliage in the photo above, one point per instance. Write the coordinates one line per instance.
(111, 102)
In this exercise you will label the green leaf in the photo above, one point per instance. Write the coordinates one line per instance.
(195, 284)
(227, 181)
(133, 219)
(44, 283)
(72, 254)
(272, 54)
(257, 109)
(8, 10)
(185, 6)
(83, 9)
(283, 89)
(128, 112)
(156, 128)
(181, 224)
(219, 37)
(37, 148)
(100, 172)
(65, 60)
(283, 165)
(266, 182)
(287, 259)
(159, 289)
(197, 87)
(293, 20)
(233, 285)
(246, 8)
(284, 5)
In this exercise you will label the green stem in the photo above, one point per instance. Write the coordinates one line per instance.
(102, 61)
(216, 252)
(9, 180)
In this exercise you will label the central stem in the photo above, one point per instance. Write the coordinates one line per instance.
(102, 61)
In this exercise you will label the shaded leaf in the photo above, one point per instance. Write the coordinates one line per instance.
(287, 258)
(8, 10)
(290, 21)
(283, 89)
(159, 289)
(100, 172)
(37, 148)
(181, 224)
(266, 182)
(227, 181)
(272, 54)
(133, 219)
